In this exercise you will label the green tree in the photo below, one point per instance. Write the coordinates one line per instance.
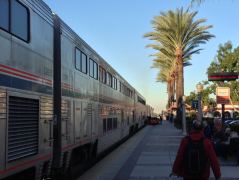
(206, 99)
(226, 60)
(192, 96)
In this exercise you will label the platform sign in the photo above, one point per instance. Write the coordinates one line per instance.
(195, 104)
(223, 95)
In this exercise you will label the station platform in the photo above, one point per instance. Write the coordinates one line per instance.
(148, 155)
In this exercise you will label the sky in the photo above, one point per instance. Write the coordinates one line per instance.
(115, 29)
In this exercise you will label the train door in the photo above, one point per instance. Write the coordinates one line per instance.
(65, 121)
(46, 106)
(122, 123)
(87, 115)
(133, 116)
(77, 119)
(141, 117)
(89, 120)
(94, 121)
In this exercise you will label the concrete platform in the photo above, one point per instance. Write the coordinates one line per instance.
(148, 155)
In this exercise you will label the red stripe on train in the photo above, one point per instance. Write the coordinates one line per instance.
(30, 76)
(26, 73)
(23, 76)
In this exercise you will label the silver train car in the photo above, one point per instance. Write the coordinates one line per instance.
(61, 103)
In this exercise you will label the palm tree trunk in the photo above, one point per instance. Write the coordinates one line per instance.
(174, 87)
(177, 86)
(170, 92)
(180, 83)
(180, 80)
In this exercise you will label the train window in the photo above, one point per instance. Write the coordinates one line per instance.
(109, 79)
(19, 20)
(78, 60)
(91, 70)
(114, 83)
(114, 123)
(104, 126)
(100, 74)
(109, 124)
(104, 76)
(4, 14)
(83, 63)
(95, 70)
(113, 80)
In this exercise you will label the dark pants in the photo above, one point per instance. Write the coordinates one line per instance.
(238, 157)
(221, 149)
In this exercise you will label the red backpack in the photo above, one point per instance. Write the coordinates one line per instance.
(195, 158)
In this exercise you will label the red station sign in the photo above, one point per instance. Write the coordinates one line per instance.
(223, 76)
(223, 95)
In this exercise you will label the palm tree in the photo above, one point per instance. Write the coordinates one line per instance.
(197, 2)
(165, 76)
(177, 36)
(166, 73)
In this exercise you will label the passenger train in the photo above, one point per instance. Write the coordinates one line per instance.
(61, 103)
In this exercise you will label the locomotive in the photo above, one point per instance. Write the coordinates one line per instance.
(61, 103)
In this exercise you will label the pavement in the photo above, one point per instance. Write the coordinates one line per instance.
(149, 155)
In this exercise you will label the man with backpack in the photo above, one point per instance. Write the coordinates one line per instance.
(195, 156)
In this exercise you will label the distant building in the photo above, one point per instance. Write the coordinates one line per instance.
(231, 110)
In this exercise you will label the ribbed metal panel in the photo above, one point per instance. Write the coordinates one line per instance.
(2, 104)
(89, 111)
(46, 108)
(65, 118)
(65, 109)
(23, 127)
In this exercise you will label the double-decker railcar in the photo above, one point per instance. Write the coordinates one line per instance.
(149, 110)
(98, 107)
(140, 110)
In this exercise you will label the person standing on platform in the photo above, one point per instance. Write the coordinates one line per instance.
(195, 156)
(207, 130)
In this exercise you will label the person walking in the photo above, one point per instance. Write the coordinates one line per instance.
(160, 120)
(195, 156)
(207, 130)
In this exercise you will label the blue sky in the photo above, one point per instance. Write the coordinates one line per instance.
(115, 29)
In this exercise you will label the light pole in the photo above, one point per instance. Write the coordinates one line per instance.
(184, 116)
(199, 88)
